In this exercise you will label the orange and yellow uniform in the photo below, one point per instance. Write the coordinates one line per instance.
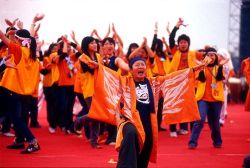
(210, 90)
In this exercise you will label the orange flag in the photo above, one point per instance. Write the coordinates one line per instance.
(178, 91)
(105, 101)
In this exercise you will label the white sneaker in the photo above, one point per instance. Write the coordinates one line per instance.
(173, 134)
(112, 143)
(183, 132)
(9, 134)
(52, 130)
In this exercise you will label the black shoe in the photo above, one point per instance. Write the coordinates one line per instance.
(192, 146)
(37, 125)
(96, 146)
(31, 148)
(217, 145)
(16, 146)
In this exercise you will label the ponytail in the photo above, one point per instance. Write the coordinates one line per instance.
(33, 48)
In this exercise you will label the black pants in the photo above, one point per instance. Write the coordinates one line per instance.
(129, 154)
(4, 115)
(14, 107)
(65, 106)
(51, 97)
(30, 110)
(159, 113)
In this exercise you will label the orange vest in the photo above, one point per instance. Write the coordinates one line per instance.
(176, 60)
(217, 92)
(129, 93)
(87, 78)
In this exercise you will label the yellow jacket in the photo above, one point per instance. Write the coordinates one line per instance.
(217, 92)
(87, 78)
(176, 61)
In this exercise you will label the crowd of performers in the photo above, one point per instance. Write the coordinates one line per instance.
(125, 95)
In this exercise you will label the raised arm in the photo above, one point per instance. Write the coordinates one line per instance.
(4, 38)
(108, 32)
(94, 32)
(168, 50)
(168, 29)
(11, 24)
(116, 35)
(148, 49)
(33, 29)
(20, 24)
(173, 33)
(155, 37)
(75, 45)
(133, 54)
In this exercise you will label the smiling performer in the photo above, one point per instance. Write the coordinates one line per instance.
(137, 121)
(210, 97)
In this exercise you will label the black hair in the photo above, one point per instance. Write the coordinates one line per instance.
(98, 44)
(109, 39)
(49, 51)
(134, 59)
(184, 37)
(26, 34)
(219, 76)
(157, 46)
(132, 45)
(78, 54)
(2, 44)
(85, 43)
(10, 28)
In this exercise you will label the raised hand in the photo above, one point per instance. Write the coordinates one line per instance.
(113, 28)
(181, 22)
(144, 43)
(9, 23)
(72, 35)
(168, 29)
(38, 17)
(156, 27)
(65, 38)
(20, 24)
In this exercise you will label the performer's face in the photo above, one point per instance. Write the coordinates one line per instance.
(108, 48)
(212, 56)
(92, 46)
(183, 46)
(139, 70)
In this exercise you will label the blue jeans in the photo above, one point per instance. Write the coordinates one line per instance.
(212, 111)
